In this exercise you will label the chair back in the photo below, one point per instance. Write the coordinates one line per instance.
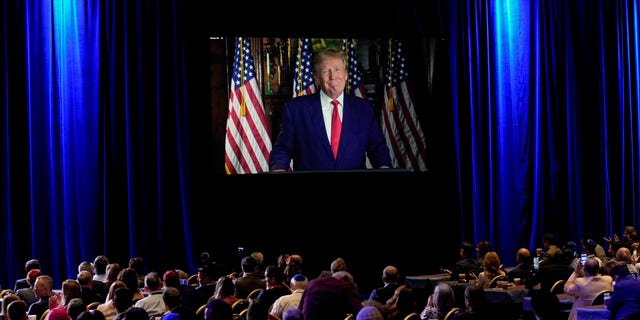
(93, 305)
(200, 312)
(494, 282)
(451, 313)
(599, 297)
(412, 316)
(254, 294)
(558, 287)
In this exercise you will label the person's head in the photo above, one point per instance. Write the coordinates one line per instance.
(171, 297)
(86, 265)
(369, 313)
(548, 239)
(75, 308)
(330, 72)
(623, 254)
(31, 264)
(113, 287)
(91, 315)
(258, 256)
(338, 265)
(113, 269)
(32, 275)
(483, 248)
(273, 275)
(137, 263)
(130, 277)
(171, 279)
(153, 282)
(100, 264)
(591, 266)
(466, 250)
(491, 262)
(217, 309)
(390, 274)
(43, 286)
(136, 313)
(292, 314)
(248, 264)
(123, 299)
(70, 290)
(619, 271)
(443, 297)
(474, 297)
(16, 310)
(59, 314)
(299, 281)
(85, 278)
(7, 300)
(224, 287)
(523, 256)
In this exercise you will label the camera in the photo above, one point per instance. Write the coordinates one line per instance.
(583, 258)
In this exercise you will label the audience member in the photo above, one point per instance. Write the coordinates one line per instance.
(190, 297)
(137, 264)
(134, 313)
(293, 267)
(217, 309)
(28, 295)
(250, 279)
(482, 248)
(467, 264)
(108, 308)
(400, 304)
(100, 264)
(390, 278)
(91, 315)
(475, 301)
(370, 313)
(292, 300)
(439, 303)
(16, 310)
(75, 308)
(524, 266)
(5, 301)
(327, 298)
(175, 309)
(275, 288)
(625, 298)
(226, 290)
(122, 300)
(587, 287)
(43, 288)
(556, 269)
(153, 302)
(24, 282)
(551, 247)
(58, 313)
(491, 269)
(130, 277)
(292, 314)
(87, 291)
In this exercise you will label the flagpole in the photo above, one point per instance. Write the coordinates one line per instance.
(389, 77)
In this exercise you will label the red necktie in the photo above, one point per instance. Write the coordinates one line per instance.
(336, 128)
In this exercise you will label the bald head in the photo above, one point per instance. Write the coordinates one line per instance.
(390, 274)
(523, 256)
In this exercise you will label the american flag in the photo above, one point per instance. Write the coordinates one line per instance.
(303, 76)
(354, 85)
(400, 124)
(248, 142)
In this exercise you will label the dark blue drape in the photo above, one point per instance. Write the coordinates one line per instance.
(107, 147)
(545, 106)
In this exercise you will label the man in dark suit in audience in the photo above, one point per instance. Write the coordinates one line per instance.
(524, 268)
(390, 278)
(24, 282)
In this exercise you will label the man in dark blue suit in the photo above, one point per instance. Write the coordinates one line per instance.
(305, 132)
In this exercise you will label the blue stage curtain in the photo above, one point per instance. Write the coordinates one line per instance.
(96, 133)
(545, 102)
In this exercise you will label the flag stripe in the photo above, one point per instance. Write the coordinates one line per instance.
(401, 127)
(248, 141)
